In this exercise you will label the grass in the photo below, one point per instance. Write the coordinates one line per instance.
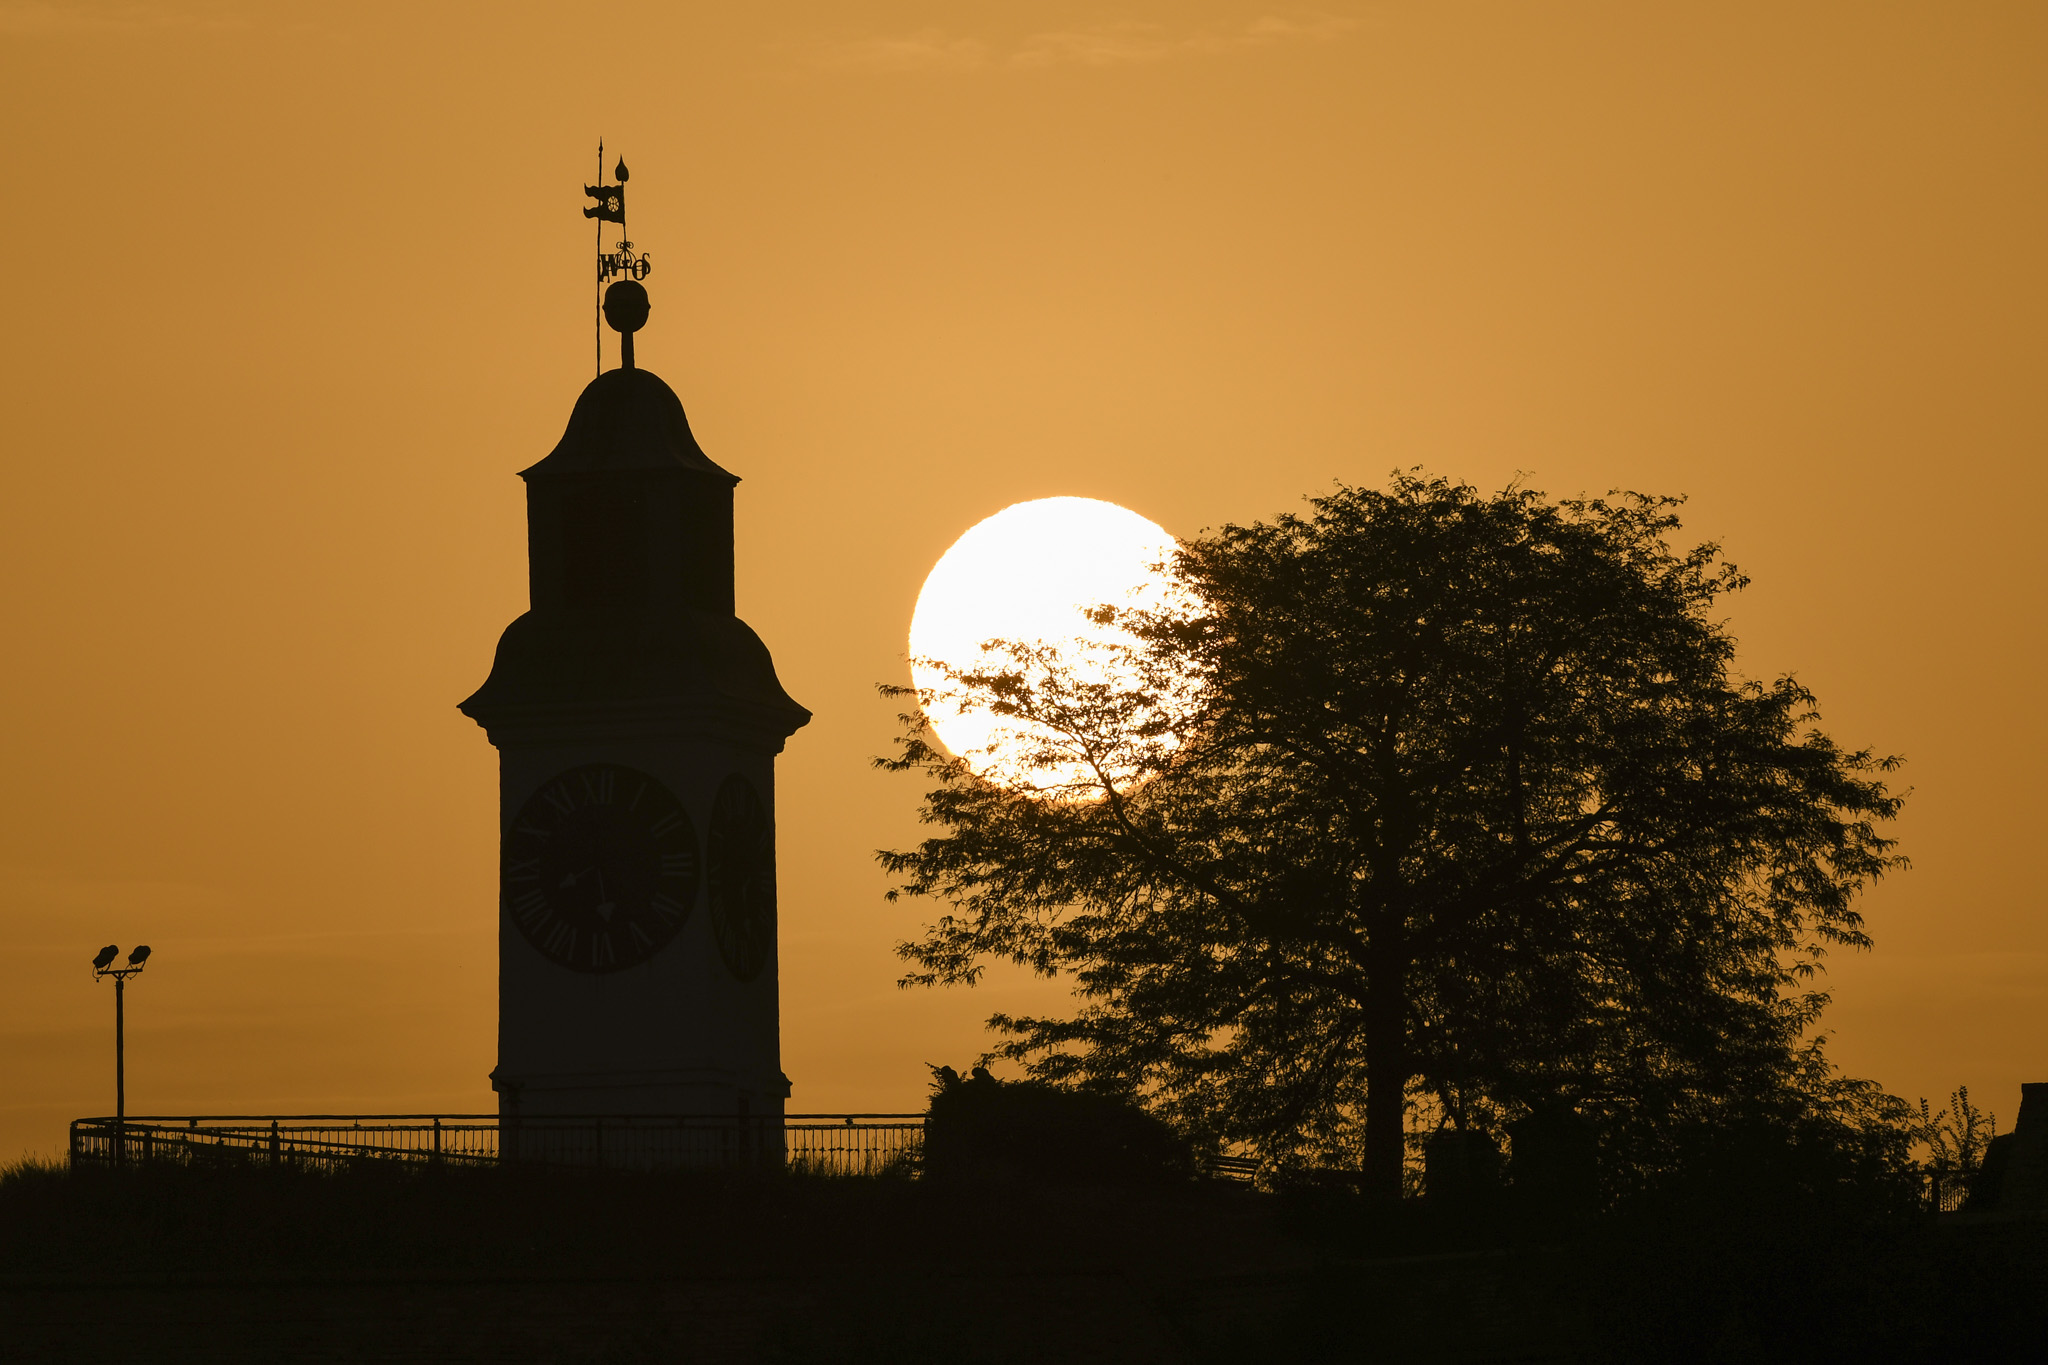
(598, 1265)
(245, 1261)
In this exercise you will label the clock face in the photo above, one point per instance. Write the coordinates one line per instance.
(600, 868)
(740, 857)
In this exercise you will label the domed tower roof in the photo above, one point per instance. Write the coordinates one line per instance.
(627, 419)
(630, 567)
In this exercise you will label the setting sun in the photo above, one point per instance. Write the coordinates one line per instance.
(1028, 574)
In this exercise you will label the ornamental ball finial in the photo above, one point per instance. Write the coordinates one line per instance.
(625, 306)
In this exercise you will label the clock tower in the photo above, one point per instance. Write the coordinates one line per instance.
(637, 720)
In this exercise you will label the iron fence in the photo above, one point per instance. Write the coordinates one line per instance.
(826, 1144)
(850, 1146)
(1947, 1191)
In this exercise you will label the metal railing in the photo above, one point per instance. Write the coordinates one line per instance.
(1947, 1191)
(824, 1144)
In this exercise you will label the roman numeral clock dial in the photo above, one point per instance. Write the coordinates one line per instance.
(600, 868)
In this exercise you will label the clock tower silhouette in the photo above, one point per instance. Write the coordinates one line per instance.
(637, 721)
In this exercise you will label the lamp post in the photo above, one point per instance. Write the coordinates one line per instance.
(102, 966)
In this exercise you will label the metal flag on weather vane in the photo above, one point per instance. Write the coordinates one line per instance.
(611, 199)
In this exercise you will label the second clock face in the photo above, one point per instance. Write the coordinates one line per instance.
(600, 868)
(742, 883)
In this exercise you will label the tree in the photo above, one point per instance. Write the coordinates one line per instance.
(1428, 796)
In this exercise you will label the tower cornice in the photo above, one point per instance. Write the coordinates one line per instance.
(691, 672)
(723, 720)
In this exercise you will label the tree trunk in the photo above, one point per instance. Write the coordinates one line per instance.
(1386, 1070)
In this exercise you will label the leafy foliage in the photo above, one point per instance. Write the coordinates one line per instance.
(1957, 1137)
(1432, 797)
(1956, 1134)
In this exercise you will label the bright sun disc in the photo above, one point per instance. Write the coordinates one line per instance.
(1028, 573)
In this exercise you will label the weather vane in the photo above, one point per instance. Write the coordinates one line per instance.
(624, 304)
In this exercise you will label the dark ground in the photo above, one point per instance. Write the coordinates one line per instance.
(172, 1265)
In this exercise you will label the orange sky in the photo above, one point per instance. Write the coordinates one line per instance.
(290, 292)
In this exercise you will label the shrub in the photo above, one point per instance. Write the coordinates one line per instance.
(1031, 1132)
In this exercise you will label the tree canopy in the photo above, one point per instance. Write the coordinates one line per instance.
(1425, 797)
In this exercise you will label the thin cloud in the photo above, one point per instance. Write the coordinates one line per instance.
(1128, 43)
(925, 50)
(1274, 28)
(47, 16)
